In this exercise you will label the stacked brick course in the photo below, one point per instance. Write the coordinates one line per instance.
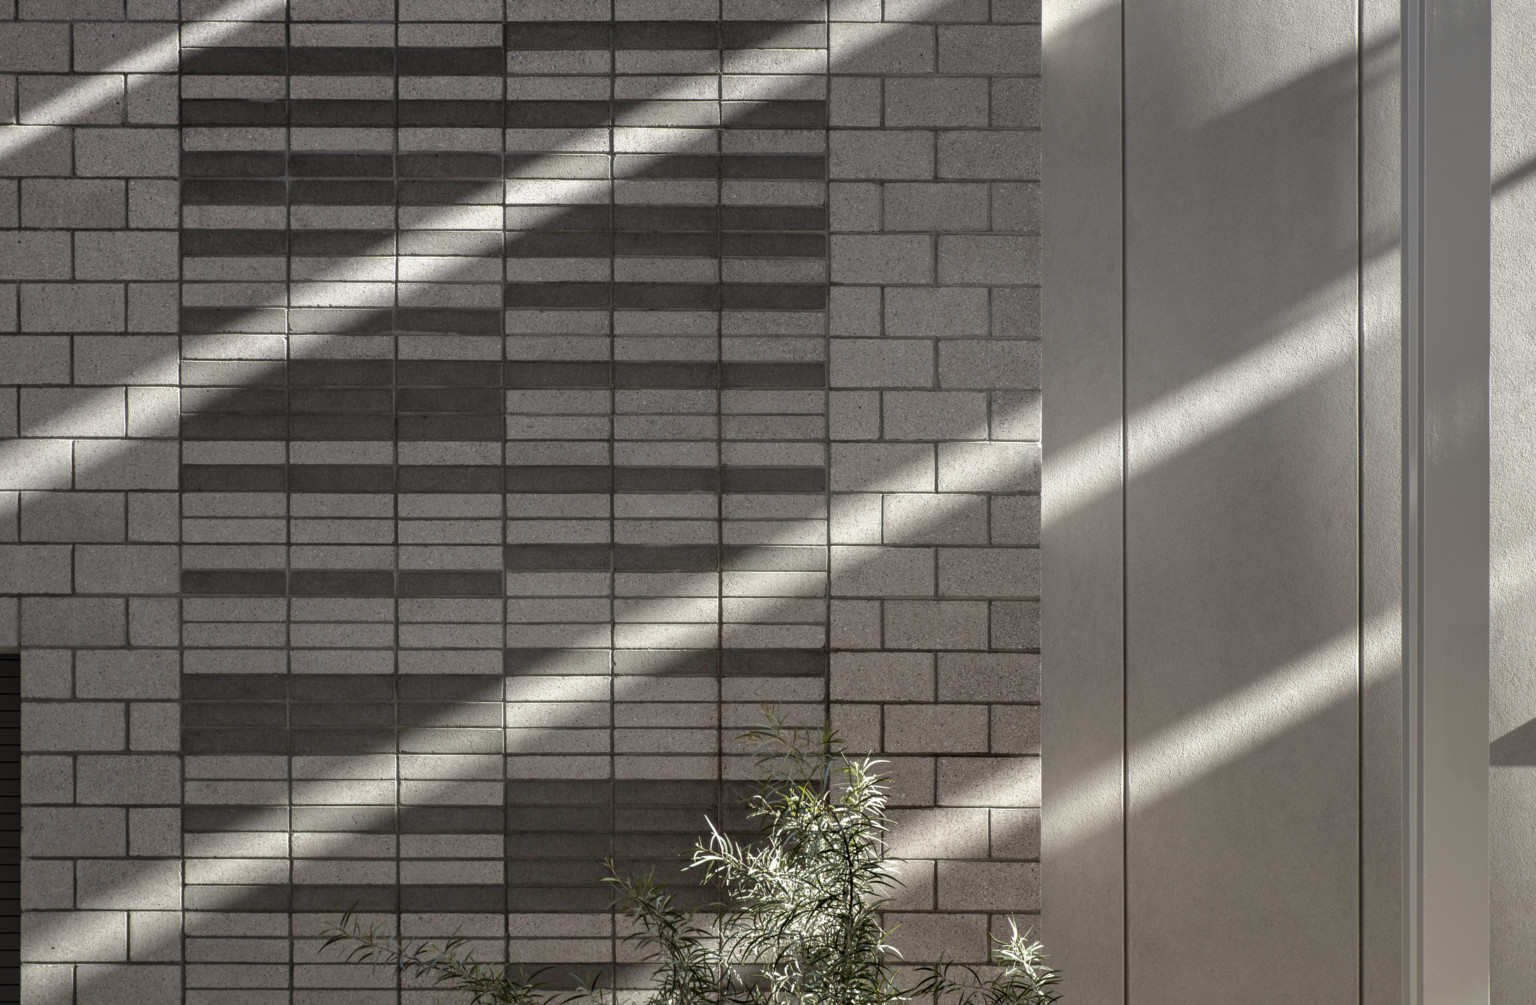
(431, 429)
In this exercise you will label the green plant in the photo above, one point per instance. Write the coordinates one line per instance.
(797, 915)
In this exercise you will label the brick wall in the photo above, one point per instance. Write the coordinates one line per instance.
(431, 429)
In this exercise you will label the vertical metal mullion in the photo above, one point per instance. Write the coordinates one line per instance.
(1446, 115)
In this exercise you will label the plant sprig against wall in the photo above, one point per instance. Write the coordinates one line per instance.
(797, 917)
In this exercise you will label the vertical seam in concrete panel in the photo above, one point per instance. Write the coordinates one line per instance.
(1125, 582)
(1360, 509)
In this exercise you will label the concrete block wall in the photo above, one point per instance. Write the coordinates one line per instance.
(429, 430)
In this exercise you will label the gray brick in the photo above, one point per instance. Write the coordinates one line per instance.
(1015, 624)
(1015, 833)
(854, 101)
(47, 779)
(854, 415)
(42, 254)
(70, 726)
(1016, 103)
(989, 886)
(153, 203)
(995, 677)
(1012, 155)
(48, 673)
(134, 153)
(936, 624)
(1016, 11)
(104, 984)
(989, 572)
(154, 725)
(989, 467)
(938, 833)
(855, 624)
(156, 935)
(129, 780)
(879, 48)
(88, 307)
(34, 568)
(47, 884)
(154, 831)
(1016, 729)
(958, 937)
(882, 467)
(950, 102)
(55, 99)
(74, 936)
(72, 621)
(152, 307)
(926, 728)
(927, 10)
(127, 673)
(34, 48)
(125, 48)
(72, 516)
(1016, 312)
(882, 572)
(855, 311)
(67, 832)
(882, 258)
(934, 415)
(36, 464)
(1016, 415)
(989, 49)
(35, 359)
(936, 206)
(985, 258)
(1016, 206)
(154, 516)
(70, 411)
(881, 363)
(854, 518)
(935, 312)
(935, 518)
(131, 254)
(125, 359)
(127, 568)
(989, 781)
(882, 677)
(37, 150)
(126, 464)
(854, 206)
(73, 202)
(1016, 520)
(871, 154)
(989, 363)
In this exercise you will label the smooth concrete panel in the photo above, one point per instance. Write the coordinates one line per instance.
(1241, 502)
(1381, 488)
(1082, 502)
(1512, 636)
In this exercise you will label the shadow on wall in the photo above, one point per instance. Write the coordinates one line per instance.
(54, 471)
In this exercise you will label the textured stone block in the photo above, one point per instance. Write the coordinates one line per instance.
(881, 363)
(989, 467)
(928, 729)
(882, 677)
(127, 568)
(936, 206)
(71, 832)
(949, 102)
(881, 48)
(35, 254)
(70, 411)
(882, 259)
(127, 673)
(882, 572)
(72, 307)
(872, 154)
(989, 49)
(882, 467)
(84, 936)
(72, 203)
(34, 48)
(988, 259)
(935, 312)
(939, 624)
(934, 415)
(989, 886)
(34, 568)
(73, 621)
(989, 572)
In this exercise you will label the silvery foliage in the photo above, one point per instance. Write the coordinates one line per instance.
(796, 920)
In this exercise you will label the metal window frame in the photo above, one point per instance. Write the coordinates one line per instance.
(1446, 139)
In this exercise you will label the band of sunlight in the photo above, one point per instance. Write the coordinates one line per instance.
(99, 88)
(1176, 756)
(1302, 353)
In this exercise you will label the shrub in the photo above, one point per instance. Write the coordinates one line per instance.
(797, 915)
